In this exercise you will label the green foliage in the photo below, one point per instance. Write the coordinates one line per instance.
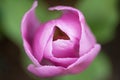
(101, 16)
(44, 14)
(14, 10)
(0, 24)
(1, 17)
(25, 62)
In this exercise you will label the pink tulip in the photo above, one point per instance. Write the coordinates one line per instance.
(70, 53)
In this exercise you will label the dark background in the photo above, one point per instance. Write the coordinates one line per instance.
(10, 64)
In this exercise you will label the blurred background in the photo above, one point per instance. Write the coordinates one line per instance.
(103, 17)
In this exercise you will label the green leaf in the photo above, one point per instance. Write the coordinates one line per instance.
(100, 69)
(101, 16)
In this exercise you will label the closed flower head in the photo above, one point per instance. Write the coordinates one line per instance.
(60, 46)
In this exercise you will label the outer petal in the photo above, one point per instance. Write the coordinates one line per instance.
(68, 22)
(42, 36)
(28, 27)
(87, 40)
(46, 71)
(84, 61)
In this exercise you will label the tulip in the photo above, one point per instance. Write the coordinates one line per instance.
(61, 46)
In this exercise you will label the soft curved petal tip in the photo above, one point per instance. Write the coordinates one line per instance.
(45, 71)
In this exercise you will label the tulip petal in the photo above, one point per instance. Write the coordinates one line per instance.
(28, 28)
(65, 49)
(84, 61)
(87, 39)
(64, 62)
(42, 36)
(46, 71)
(80, 27)
(68, 22)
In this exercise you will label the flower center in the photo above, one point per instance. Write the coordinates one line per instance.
(62, 46)
(58, 34)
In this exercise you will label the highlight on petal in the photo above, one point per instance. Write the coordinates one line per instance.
(29, 26)
(46, 71)
(41, 38)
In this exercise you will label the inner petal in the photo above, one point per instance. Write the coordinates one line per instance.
(63, 47)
